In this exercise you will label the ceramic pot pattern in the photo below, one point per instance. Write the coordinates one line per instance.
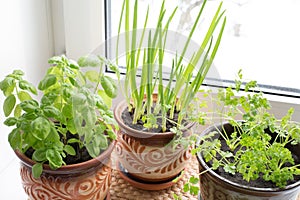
(83, 181)
(92, 186)
(216, 187)
(150, 163)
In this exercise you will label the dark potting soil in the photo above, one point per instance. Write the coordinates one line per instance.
(259, 183)
(82, 154)
(128, 119)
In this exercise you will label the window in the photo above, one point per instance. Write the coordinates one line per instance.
(261, 37)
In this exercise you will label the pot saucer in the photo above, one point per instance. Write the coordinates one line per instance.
(146, 185)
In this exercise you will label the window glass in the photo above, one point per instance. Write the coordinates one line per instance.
(261, 37)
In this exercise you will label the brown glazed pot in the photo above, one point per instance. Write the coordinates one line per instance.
(89, 180)
(216, 187)
(145, 155)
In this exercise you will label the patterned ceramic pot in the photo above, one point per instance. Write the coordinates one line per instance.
(89, 180)
(145, 155)
(216, 187)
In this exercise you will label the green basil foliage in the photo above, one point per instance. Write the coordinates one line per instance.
(72, 102)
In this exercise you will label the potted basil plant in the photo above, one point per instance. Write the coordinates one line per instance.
(155, 113)
(249, 153)
(65, 139)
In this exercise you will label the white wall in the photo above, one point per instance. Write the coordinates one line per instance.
(25, 43)
(26, 37)
(84, 26)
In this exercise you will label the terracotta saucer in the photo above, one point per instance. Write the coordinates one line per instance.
(145, 185)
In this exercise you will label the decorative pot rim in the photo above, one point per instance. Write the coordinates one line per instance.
(75, 168)
(213, 173)
(121, 106)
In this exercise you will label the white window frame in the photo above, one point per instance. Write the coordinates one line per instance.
(78, 26)
(281, 98)
(71, 38)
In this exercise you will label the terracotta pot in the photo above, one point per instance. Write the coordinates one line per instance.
(213, 186)
(145, 155)
(87, 180)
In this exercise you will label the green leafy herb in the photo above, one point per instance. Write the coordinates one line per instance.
(69, 114)
(37, 170)
(9, 104)
(258, 144)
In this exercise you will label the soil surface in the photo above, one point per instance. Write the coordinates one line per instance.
(128, 118)
(260, 183)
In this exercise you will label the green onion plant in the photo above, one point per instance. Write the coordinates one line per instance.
(184, 80)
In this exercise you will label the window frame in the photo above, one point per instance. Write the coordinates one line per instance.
(270, 90)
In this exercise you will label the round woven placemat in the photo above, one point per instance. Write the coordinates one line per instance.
(121, 190)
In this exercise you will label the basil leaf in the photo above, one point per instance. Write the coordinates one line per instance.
(48, 81)
(9, 105)
(37, 170)
(109, 86)
(54, 158)
(40, 128)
